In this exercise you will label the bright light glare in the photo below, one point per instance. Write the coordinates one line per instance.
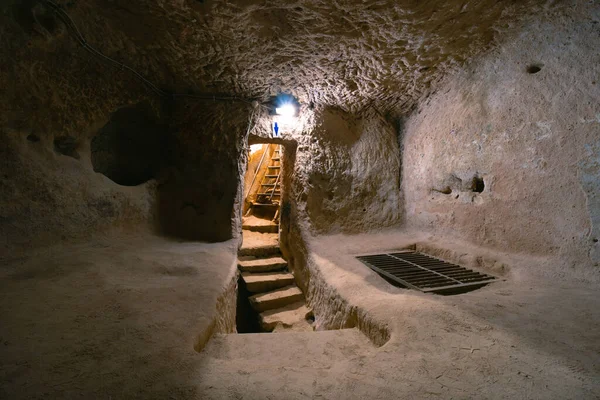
(286, 110)
(255, 147)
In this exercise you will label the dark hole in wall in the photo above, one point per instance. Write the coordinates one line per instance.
(534, 68)
(66, 145)
(33, 138)
(246, 319)
(477, 184)
(129, 148)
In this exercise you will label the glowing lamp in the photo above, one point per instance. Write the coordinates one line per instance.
(286, 110)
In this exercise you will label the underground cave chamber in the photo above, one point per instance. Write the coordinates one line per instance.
(168, 229)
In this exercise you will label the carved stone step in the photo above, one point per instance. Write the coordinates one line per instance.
(265, 281)
(276, 299)
(262, 265)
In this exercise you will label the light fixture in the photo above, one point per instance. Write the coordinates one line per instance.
(286, 110)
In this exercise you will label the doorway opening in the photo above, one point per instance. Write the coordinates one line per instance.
(269, 299)
(262, 197)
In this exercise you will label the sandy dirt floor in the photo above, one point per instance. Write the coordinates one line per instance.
(113, 318)
(118, 318)
(528, 336)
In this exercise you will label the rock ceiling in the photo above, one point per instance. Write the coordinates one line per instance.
(349, 54)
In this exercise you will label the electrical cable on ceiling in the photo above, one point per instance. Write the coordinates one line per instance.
(76, 33)
(250, 127)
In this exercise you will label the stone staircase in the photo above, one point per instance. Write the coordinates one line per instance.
(273, 291)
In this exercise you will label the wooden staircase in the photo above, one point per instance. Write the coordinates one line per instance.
(270, 187)
(268, 195)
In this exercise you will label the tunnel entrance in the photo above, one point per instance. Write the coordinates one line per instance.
(262, 197)
(268, 298)
(129, 148)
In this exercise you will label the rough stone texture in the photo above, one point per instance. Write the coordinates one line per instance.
(304, 358)
(276, 299)
(533, 138)
(346, 53)
(113, 317)
(262, 264)
(46, 196)
(259, 244)
(54, 100)
(118, 317)
(197, 195)
(255, 224)
(341, 173)
(346, 176)
(264, 281)
(59, 100)
(290, 316)
(504, 341)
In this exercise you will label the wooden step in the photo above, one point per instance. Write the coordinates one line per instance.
(276, 299)
(288, 317)
(262, 265)
(266, 281)
(266, 204)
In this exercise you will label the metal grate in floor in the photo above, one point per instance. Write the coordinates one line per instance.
(422, 272)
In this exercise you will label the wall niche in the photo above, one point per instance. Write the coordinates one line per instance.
(129, 149)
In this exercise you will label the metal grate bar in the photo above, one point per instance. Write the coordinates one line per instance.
(423, 268)
(425, 273)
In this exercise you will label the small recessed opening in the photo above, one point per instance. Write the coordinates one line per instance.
(247, 320)
(477, 184)
(534, 68)
(67, 146)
